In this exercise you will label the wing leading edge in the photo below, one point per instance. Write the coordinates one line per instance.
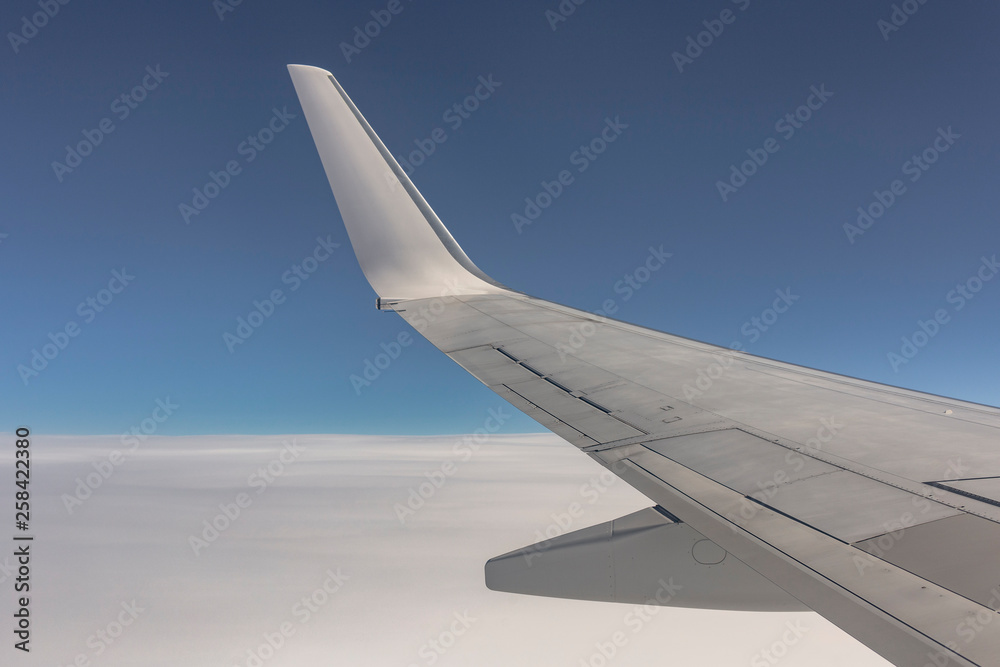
(850, 497)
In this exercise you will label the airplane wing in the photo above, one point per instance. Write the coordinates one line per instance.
(775, 486)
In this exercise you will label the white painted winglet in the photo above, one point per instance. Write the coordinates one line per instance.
(403, 248)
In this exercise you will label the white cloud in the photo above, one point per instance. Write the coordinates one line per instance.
(329, 513)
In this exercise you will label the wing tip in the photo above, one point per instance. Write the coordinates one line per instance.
(404, 249)
(297, 71)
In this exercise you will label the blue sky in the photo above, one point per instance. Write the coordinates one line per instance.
(211, 83)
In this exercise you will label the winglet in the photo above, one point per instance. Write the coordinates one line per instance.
(404, 249)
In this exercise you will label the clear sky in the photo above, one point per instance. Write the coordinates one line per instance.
(93, 183)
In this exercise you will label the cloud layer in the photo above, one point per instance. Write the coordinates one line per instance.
(346, 550)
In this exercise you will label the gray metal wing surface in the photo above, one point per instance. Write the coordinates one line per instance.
(877, 507)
